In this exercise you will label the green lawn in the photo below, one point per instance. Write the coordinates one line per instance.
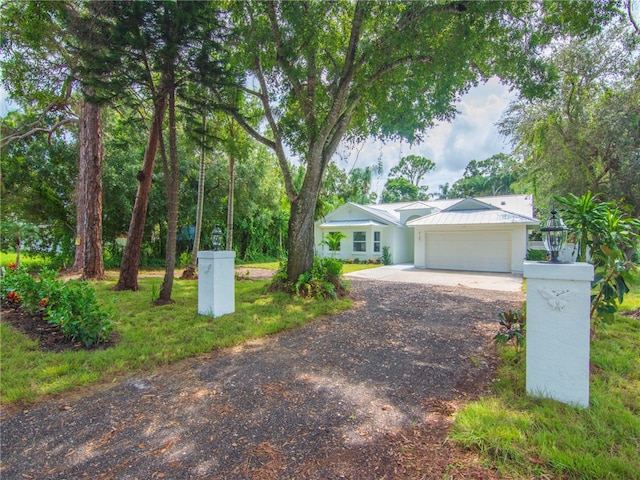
(26, 261)
(354, 267)
(522, 437)
(526, 437)
(149, 336)
(346, 268)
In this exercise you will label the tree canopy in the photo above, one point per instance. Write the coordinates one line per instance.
(586, 136)
(404, 180)
(497, 175)
(315, 74)
(329, 71)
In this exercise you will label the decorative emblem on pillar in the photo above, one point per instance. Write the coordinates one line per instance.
(557, 299)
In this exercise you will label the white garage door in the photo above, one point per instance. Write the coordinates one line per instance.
(474, 251)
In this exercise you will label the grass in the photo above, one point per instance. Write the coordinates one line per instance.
(30, 262)
(267, 265)
(149, 336)
(354, 267)
(525, 437)
(346, 268)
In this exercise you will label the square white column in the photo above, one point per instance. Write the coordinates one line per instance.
(216, 282)
(558, 330)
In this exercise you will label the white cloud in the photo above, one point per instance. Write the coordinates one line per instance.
(472, 135)
(6, 105)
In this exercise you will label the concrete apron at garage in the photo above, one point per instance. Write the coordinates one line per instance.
(504, 282)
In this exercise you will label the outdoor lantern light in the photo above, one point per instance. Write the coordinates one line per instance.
(554, 236)
(216, 238)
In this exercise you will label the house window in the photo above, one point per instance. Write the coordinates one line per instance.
(359, 241)
(376, 242)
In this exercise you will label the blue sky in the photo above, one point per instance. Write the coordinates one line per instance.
(472, 135)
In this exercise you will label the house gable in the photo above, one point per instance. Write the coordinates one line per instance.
(472, 211)
(414, 210)
(355, 213)
(469, 204)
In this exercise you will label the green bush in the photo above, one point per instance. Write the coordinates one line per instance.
(323, 280)
(536, 255)
(386, 255)
(71, 306)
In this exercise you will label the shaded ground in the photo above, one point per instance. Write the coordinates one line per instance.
(364, 394)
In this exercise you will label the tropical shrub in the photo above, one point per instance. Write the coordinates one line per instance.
(323, 280)
(386, 255)
(536, 255)
(612, 237)
(512, 328)
(77, 314)
(71, 306)
(332, 241)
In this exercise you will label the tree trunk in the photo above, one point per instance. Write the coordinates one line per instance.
(81, 192)
(190, 272)
(172, 185)
(301, 241)
(131, 256)
(232, 175)
(18, 244)
(91, 156)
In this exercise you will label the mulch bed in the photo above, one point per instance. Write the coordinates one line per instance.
(632, 313)
(369, 393)
(49, 337)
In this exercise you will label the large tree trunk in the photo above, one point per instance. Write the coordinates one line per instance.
(91, 150)
(301, 246)
(172, 185)
(131, 256)
(81, 200)
(88, 256)
(190, 272)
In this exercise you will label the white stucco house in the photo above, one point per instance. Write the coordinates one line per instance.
(487, 234)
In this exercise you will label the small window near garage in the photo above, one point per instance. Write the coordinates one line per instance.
(359, 241)
(376, 242)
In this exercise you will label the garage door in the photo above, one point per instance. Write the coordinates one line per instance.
(474, 251)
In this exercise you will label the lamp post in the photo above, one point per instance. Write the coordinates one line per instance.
(216, 238)
(554, 236)
(216, 286)
(558, 322)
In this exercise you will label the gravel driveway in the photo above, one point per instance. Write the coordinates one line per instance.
(363, 394)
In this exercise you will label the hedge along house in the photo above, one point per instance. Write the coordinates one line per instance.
(488, 234)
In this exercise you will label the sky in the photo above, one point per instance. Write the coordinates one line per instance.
(471, 135)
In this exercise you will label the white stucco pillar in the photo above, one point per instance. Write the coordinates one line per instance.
(216, 283)
(558, 324)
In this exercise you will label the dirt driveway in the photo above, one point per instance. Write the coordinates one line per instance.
(364, 394)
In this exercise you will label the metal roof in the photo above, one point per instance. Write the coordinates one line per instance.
(473, 217)
(469, 211)
(352, 223)
(414, 206)
(383, 211)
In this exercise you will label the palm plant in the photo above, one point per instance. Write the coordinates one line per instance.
(332, 240)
